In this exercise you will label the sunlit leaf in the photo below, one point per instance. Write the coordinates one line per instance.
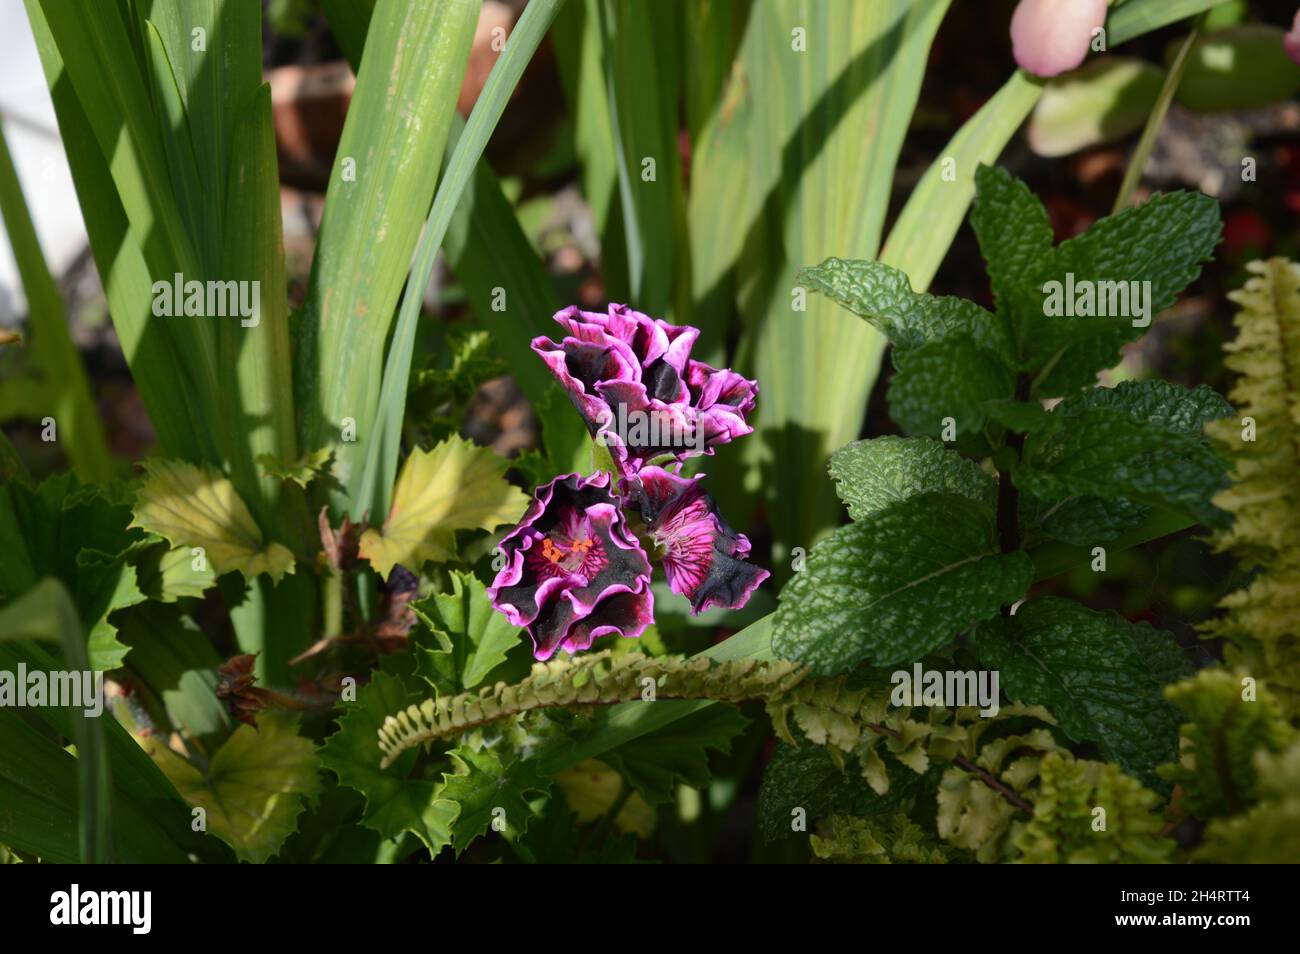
(193, 506)
(455, 486)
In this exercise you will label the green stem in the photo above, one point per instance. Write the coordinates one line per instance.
(597, 835)
(331, 594)
(1137, 165)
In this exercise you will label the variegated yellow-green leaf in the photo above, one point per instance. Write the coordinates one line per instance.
(302, 471)
(591, 787)
(193, 506)
(455, 486)
(168, 573)
(254, 787)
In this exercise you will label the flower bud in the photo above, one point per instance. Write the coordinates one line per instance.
(1291, 42)
(1050, 37)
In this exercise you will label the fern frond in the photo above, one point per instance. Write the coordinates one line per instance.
(1269, 833)
(1230, 721)
(1262, 621)
(593, 679)
(880, 840)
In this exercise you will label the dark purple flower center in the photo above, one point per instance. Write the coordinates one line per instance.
(571, 548)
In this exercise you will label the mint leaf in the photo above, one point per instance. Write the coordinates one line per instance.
(894, 588)
(1100, 675)
(807, 777)
(679, 752)
(473, 638)
(883, 296)
(394, 803)
(953, 377)
(1163, 242)
(870, 475)
(483, 790)
(1083, 521)
(1022, 417)
(1163, 657)
(1141, 441)
(1163, 404)
(1014, 232)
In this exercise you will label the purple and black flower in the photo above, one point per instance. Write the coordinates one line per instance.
(636, 386)
(574, 570)
(703, 557)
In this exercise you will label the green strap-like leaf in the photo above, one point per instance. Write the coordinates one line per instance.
(370, 485)
(379, 192)
(47, 613)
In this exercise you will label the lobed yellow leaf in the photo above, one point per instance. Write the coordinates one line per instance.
(193, 506)
(456, 486)
(254, 787)
(302, 471)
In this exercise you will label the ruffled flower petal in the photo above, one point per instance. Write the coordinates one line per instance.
(723, 399)
(574, 571)
(629, 374)
(703, 557)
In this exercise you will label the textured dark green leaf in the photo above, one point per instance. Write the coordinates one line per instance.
(883, 296)
(77, 533)
(1022, 417)
(1013, 230)
(1164, 241)
(557, 837)
(1100, 675)
(897, 586)
(806, 777)
(1083, 521)
(483, 790)
(1140, 441)
(394, 803)
(1161, 404)
(1164, 658)
(654, 763)
(870, 475)
(473, 638)
(952, 377)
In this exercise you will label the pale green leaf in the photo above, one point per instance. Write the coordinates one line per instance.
(254, 787)
(455, 486)
(302, 472)
(193, 506)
